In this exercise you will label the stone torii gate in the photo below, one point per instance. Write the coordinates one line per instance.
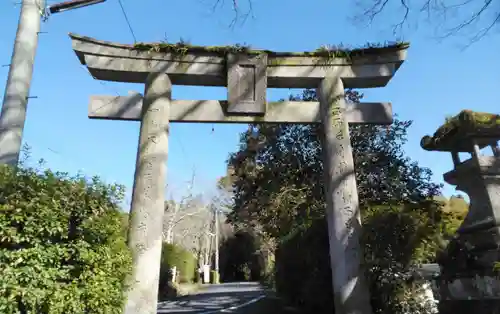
(247, 74)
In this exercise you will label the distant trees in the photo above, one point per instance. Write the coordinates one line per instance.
(188, 222)
(191, 222)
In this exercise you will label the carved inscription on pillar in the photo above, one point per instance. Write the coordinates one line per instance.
(246, 84)
(344, 171)
(351, 292)
(145, 236)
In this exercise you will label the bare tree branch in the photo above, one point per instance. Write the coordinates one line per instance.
(399, 25)
(239, 16)
(190, 206)
(463, 15)
(472, 11)
(472, 19)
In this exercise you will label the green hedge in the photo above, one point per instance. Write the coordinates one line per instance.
(302, 270)
(62, 246)
(184, 260)
(214, 277)
(394, 238)
(240, 259)
(197, 277)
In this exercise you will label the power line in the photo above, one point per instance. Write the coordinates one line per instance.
(127, 20)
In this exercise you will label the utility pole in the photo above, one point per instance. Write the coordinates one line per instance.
(16, 94)
(207, 254)
(15, 100)
(216, 245)
(208, 237)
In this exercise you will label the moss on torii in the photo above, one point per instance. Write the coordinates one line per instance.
(182, 48)
(458, 132)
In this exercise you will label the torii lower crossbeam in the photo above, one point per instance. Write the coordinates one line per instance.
(214, 111)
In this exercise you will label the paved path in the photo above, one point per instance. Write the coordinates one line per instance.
(243, 297)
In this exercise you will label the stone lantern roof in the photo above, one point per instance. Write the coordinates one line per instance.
(461, 132)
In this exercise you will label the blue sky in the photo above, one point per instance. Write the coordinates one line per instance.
(438, 79)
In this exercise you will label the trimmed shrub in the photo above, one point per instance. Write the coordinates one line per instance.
(174, 255)
(240, 258)
(214, 277)
(302, 269)
(167, 290)
(197, 277)
(62, 246)
(394, 238)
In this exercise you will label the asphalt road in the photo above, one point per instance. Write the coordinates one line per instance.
(241, 297)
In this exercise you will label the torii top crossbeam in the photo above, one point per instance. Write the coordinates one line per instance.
(246, 73)
(361, 68)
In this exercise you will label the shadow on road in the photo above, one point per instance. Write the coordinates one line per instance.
(214, 298)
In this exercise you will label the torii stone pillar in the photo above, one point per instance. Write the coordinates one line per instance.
(247, 76)
(342, 205)
(148, 197)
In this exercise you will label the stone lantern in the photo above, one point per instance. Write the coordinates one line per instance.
(468, 275)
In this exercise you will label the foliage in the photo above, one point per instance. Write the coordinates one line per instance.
(395, 238)
(302, 270)
(223, 197)
(456, 205)
(240, 259)
(412, 237)
(214, 277)
(167, 289)
(125, 222)
(185, 263)
(62, 246)
(184, 260)
(278, 189)
(197, 277)
(268, 279)
(278, 172)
